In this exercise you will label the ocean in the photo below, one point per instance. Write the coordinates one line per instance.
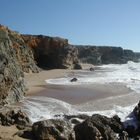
(112, 89)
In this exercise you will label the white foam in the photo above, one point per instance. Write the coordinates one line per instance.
(128, 74)
(41, 108)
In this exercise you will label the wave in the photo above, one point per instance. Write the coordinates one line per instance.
(128, 74)
(41, 108)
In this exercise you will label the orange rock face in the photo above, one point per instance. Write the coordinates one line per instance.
(51, 52)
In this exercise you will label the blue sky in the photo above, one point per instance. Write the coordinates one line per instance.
(93, 22)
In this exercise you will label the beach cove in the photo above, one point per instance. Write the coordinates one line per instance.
(87, 97)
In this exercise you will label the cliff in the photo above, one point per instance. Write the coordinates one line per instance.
(15, 58)
(104, 55)
(55, 52)
(24, 53)
(52, 52)
(137, 54)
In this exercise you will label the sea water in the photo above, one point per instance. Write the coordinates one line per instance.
(40, 107)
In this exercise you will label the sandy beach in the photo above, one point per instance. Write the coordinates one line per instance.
(35, 82)
(9, 133)
(95, 97)
(71, 94)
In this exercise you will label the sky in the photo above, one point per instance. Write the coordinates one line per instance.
(86, 22)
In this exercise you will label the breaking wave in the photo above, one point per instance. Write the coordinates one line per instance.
(128, 74)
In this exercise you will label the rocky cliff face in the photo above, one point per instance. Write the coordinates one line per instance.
(52, 52)
(55, 52)
(19, 53)
(137, 54)
(15, 58)
(104, 55)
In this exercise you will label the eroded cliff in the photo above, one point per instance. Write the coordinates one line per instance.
(20, 53)
(105, 55)
(52, 52)
(15, 59)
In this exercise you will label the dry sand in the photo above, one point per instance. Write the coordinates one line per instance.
(9, 133)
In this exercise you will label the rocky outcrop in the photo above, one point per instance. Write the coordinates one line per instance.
(136, 111)
(137, 55)
(15, 58)
(55, 52)
(22, 52)
(83, 127)
(99, 127)
(52, 52)
(105, 55)
(9, 116)
(12, 86)
(53, 130)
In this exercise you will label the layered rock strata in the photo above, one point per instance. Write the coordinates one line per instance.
(52, 52)
(15, 59)
(105, 55)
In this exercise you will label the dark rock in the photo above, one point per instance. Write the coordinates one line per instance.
(15, 116)
(98, 127)
(81, 116)
(129, 55)
(137, 138)
(136, 111)
(105, 54)
(123, 136)
(91, 69)
(26, 133)
(75, 121)
(77, 66)
(74, 79)
(137, 56)
(53, 130)
(130, 129)
(89, 54)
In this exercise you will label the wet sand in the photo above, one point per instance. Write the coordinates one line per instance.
(35, 82)
(76, 94)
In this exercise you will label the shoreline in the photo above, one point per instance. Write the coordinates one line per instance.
(82, 94)
(76, 94)
(35, 82)
(92, 97)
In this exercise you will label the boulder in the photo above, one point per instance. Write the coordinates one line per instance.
(136, 111)
(98, 127)
(123, 136)
(14, 117)
(76, 119)
(131, 130)
(73, 79)
(53, 130)
(80, 116)
(91, 69)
